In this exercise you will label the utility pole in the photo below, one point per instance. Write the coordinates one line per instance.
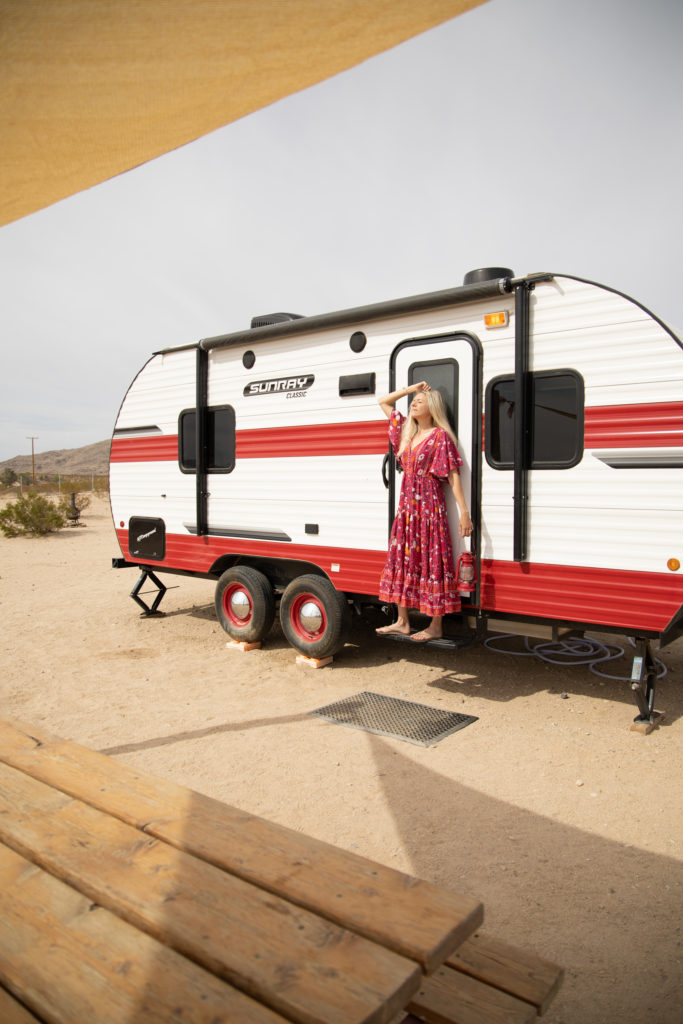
(33, 459)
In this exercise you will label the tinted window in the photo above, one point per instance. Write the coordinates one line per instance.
(500, 423)
(557, 420)
(220, 439)
(556, 425)
(187, 428)
(441, 375)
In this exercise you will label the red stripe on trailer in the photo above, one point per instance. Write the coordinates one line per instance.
(358, 570)
(648, 425)
(365, 438)
(162, 448)
(609, 597)
(368, 438)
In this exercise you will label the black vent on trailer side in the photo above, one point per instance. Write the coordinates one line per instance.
(274, 318)
(487, 274)
(357, 384)
(147, 538)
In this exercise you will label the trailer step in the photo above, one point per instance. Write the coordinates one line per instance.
(446, 643)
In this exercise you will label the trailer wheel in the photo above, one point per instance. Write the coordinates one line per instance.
(245, 603)
(314, 616)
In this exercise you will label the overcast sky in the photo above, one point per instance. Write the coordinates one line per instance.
(533, 134)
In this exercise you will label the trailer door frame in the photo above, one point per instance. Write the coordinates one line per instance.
(455, 356)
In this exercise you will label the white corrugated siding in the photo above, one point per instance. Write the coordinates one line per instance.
(152, 489)
(344, 496)
(328, 356)
(592, 514)
(162, 389)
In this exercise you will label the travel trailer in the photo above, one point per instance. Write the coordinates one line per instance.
(259, 460)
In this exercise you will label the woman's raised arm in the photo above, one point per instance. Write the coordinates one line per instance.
(387, 402)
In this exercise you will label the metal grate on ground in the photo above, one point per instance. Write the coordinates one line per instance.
(398, 719)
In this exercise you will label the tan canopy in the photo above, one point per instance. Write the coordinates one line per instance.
(91, 88)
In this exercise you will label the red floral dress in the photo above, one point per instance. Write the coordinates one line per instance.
(419, 571)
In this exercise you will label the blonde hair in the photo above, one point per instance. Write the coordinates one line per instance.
(437, 410)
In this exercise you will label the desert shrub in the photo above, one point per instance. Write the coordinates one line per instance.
(8, 477)
(32, 515)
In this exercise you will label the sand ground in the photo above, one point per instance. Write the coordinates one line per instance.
(564, 822)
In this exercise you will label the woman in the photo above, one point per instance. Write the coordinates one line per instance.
(419, 571)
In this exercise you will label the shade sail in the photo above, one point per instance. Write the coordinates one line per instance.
(91, 88)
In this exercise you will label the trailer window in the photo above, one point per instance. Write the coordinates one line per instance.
(220, 439)
(556, 422)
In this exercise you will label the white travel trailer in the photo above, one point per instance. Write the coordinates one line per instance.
(260, 460)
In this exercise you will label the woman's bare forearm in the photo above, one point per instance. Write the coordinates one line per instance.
(387, 402)
(465, 526)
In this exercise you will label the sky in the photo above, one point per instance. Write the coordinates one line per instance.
(540, 135)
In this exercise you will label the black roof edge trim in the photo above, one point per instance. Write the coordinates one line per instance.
(177, 348)
(363, 314)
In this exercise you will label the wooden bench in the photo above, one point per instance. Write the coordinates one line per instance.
(105, 870)
(487, 980)
(12, 1012)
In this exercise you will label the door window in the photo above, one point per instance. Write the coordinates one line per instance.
(442, 376)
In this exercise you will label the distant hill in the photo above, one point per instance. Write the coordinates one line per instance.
(92, 458)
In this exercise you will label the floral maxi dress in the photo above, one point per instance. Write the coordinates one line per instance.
(419, 570)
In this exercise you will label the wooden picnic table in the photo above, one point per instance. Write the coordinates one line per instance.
(124, 897)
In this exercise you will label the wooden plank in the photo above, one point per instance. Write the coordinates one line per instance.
(299, 964)
(411, 916)
(72, 961)
(521, 973)
(12, 1012)
(450, 997)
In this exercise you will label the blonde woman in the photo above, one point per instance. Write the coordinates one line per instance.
(419, 570)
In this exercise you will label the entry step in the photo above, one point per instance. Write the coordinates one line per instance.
(446, 643)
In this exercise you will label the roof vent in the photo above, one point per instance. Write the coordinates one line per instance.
(487, 274)
(274, 318)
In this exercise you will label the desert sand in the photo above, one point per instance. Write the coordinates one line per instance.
(564, 822)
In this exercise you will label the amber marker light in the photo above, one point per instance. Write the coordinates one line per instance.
(501, 319)
(673, 564)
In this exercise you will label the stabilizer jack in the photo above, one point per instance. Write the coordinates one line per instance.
(147, 611)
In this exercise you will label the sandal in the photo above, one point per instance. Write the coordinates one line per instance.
(423, 636)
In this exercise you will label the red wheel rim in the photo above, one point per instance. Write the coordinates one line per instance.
(237, 605)
(308, 618)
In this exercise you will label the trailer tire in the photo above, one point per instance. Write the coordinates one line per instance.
(245, 604)
(314, 616)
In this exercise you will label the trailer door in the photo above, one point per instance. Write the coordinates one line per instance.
(450, 364)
